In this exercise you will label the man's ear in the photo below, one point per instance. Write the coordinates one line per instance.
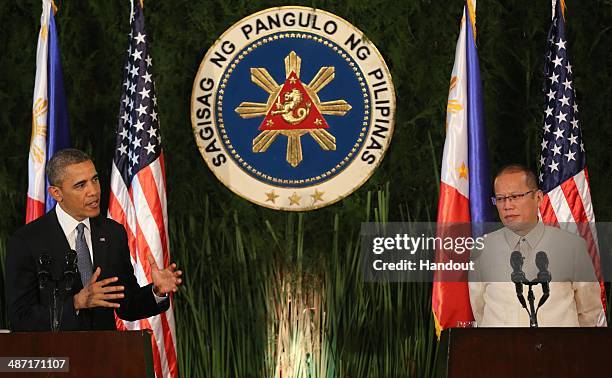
(539, 196)
(56, 193)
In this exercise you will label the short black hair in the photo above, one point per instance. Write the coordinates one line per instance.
(530, 177)
(56, 167)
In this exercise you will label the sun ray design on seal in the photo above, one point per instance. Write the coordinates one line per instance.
(293, 109)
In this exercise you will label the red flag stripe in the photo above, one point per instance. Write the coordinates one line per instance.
(119, 324)
(160, 340)
(570, 190)
(162, 165)
(584, 189)
(575, 202)
(115, 210)
(460, 309)
(582, 183)
(547, 212)
(452, 205)
(157, 358)
(160, 179)
(148, 239)
(559, 205)
(149, 179)
(169, 341)
(34, 209)
(121, 209)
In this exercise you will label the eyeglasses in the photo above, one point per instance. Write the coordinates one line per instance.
(513, 197)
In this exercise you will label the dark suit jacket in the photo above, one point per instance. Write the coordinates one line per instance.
(28, 306)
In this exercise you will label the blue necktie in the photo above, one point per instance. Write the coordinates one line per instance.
(83, 257)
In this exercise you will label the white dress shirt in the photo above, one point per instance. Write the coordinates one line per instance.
(69, 225)
(574, 291)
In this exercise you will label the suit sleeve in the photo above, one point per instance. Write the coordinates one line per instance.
(26, 309)
(139, 302)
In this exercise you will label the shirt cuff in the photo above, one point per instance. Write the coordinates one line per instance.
(158, 299)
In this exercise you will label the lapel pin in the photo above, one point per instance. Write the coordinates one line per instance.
(102, 239)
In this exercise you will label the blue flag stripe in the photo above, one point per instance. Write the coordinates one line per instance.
(481, 209)
(58, 129)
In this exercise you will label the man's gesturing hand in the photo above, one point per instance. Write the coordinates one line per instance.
(97, 294)
(166, 280)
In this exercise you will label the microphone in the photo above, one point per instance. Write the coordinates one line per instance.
(518, 276)
(544, 276)
(70, 268)
(44, 275)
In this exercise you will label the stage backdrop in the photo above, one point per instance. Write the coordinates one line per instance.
(244, 264)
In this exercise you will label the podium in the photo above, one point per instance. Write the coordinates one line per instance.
(524, 352)
(91, 353)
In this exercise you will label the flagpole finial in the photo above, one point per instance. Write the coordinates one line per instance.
(554, 6)
(54, 7)
(563, 9)
(471, 7)
(141, 4)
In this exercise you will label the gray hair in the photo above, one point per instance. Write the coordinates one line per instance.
(56, 167)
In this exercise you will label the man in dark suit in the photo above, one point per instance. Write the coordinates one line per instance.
(105, 281)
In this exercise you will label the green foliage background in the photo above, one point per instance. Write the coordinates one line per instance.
(228, 246)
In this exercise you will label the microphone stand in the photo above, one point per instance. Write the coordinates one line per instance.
(56, 311)
(518, 277)
(60, 288)
(533, 314)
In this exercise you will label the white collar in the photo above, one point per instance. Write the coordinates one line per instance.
(67, 222)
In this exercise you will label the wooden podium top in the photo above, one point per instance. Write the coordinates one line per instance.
(525, 352)
(91, 353)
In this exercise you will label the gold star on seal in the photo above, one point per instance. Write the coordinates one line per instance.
(317, 196)
(272, 196)
(294, 199)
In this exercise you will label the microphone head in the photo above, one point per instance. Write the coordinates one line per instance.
(516, 261)
(71, 260)
(71, 257)
(44, 260)
(541, 261)
(44, 274)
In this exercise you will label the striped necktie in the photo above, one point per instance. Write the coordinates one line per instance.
(83, 257)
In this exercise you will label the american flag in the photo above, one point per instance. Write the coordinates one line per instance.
(563, 171)
(138, 187)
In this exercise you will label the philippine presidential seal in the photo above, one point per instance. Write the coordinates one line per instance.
(293, 108)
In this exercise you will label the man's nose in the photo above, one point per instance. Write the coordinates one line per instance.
(92, 190)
